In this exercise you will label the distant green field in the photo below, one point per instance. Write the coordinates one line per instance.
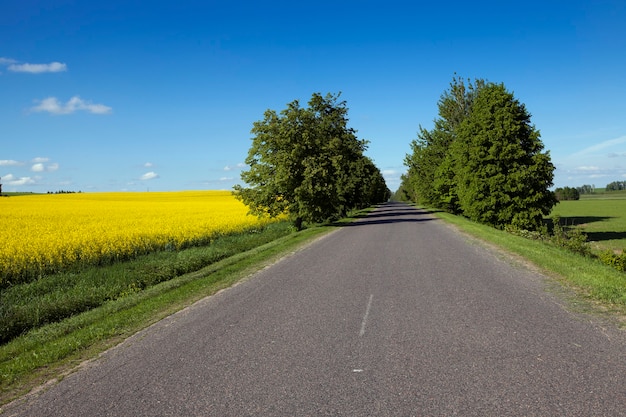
(602, 216)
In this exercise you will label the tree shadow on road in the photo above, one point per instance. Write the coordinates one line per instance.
(367, 221)
(389, 213)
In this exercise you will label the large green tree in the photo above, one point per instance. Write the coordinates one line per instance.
(307, 163)
(502, 174)
(431, 178)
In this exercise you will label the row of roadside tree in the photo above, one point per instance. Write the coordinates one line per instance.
(307, 163)
(483, 159)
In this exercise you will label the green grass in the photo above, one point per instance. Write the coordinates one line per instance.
(55, 297)
(49, 350)
(601, 216)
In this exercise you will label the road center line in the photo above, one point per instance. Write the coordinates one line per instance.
(367, 313)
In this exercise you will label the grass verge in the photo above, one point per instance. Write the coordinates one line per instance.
(52, 350)
(601, 285)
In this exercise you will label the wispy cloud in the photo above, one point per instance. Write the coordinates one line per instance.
(149, 176)
(10, 163)
(53, 106)
(594, 149)
(7, 61)
(17, 66)
(240, 165)
(38, 68)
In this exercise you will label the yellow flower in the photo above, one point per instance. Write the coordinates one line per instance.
(46, 233)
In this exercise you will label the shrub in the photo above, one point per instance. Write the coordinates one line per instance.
(567, 193)
(610, 258)
(572, 239)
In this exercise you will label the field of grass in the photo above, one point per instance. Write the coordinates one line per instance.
(601, 216)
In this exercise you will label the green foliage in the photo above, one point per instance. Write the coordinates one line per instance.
(616, 186)
(572, 239)
(307, 163)
(617, 261)
(567, 193)
(431, 179)
(483, 159)
(586, 189)
(503, 175)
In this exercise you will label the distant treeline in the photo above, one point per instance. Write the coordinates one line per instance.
(64, 192)
(574, 193)
(568, 193)
(616, 186)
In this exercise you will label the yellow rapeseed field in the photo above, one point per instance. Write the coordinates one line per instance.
(46, 233)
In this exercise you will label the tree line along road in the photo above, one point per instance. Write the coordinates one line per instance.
(396, 314)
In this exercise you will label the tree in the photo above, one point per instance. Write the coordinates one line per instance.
(307, 163)
(502, 175)
(567, 193)
(586, 189)
(431, 173)
(616, 186)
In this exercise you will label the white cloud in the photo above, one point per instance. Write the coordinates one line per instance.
(38, 68)
(226, 179)
(240, 165)
(149, 176)
(588, 168)
(39, 165)
(20, 181)
(53, 106)
(10, 162)
(148, 165)
(37, 168)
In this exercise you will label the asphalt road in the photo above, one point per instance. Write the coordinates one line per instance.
(395, 315)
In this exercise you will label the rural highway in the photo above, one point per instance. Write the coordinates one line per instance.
(397, 314)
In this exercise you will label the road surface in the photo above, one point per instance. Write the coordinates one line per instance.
(394, 315)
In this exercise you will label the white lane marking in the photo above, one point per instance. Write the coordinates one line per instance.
(367, 313)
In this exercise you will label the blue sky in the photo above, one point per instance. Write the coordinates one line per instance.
(161, 95)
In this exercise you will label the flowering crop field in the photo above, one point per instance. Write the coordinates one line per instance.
(46, 233)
